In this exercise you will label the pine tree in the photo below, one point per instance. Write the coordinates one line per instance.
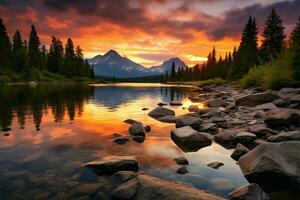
(69, 64)
(44, 58)
(55, 56)
(273, 37)
(34, 53)
(173, 72)
(5, 49)
(295, 36)
(19, 53)
(295, 48)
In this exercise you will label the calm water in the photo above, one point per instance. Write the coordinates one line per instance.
(48, 132)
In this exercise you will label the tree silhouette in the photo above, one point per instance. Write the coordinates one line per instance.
(5, 49)
(34, 53)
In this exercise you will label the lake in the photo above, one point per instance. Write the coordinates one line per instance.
(49, 132)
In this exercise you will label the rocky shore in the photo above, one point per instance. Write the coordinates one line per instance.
(263, 128)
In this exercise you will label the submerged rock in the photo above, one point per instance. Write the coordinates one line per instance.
(249, 192)
(113, 164)
(162, 104)
(149, 188)
(175, 103)
(129, 121)
(194, 122)
(137, 129)
(182, 170)
(283, 117)
(147, 129)
(239, 151)
(215, 165)
(275, 164)
(256, 99)
(121, 140)
(161, 112)
(181, 161)
(285, 136)
(189, 140)
(168, 119)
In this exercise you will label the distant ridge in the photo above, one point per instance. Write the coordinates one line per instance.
(113, 64)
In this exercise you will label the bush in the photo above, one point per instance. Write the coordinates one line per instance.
(273, 75)
(4, 79)
(215, 81)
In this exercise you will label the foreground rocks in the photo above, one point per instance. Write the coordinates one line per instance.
(283, 117)
(239, 151)
(249, 192)
(113, 164)
(161, 112)
(256, 99)
(189, 140)
(194, 122)
(273, 164)
(137, 129)
(149, 188)
(285, 136)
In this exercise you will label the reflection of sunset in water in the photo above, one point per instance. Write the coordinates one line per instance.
(67, 127)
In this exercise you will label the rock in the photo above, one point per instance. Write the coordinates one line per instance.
(147, 129)
(121, 140)
(162, 104)
(116, 135)
(222, 183)
(129, 121)
(168, 119)
(194, 122)
(59, 196)
(137, 129)
(113, 164)
(181, 161)
(149, 188)
(188, 139)
(280, 102)
(249, 192)
(285, 136)
(276, 164)
(295, 99)
(259, 142)
(283, 117)
(209, 127)
(266, 106)
(207, 89)
(6, 134)
(161, 112)
(32, 83)
(124, 175)
(289, 92)
(86, 188)
(215, 103)
(259, 114)
(225, 137)
(215, 164)
(256, 99)
(261, 130)
(100, 196)
(182, 170)
(145, 108)
(175, 103)
(244, 137)
(193, 108)
(139, 139)
(239, 151)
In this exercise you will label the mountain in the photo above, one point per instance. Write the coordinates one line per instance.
(113, 64)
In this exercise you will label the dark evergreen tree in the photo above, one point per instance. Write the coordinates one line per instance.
(5, 49)
(34, 53)
(273, 37)
(55, 56)
(44, 58)
(295, 49)
(295, 36)
(70, 67)
(173, 72)
(19, 53)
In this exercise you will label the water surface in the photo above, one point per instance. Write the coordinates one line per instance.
(48, 132)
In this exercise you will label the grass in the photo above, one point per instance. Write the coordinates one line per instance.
(215, 81)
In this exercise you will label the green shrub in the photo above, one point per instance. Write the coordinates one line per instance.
(215, 81)
(4, 79)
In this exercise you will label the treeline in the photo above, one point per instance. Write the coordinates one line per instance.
(22, 59)
(238, 63)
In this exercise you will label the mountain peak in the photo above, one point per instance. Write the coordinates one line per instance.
(112, 53)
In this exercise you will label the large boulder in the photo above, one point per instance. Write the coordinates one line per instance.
(113, 164)
(194, 122)
(137, 129)
(249, 192)
(225, 137)
(189, 140)
(295, 99)
(168, 119)
(266, 106)
(239, 151)
(150, 188)
(261, 130)
(244, 137)
(256, 99)
(283, 117)
(160, 112)
(285, 136)
(215, 103)
(273, 164)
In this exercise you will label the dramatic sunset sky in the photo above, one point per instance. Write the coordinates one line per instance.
(146, 31)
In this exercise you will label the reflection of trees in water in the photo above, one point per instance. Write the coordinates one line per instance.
(22, 101)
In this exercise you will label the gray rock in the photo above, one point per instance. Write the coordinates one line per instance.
(256, 99)
(139, 138)
(194, 122)
(32, 83)
(215, 165)
(266, 106)
(116, 135)
(124, 175)
(261, 130)
(193, 108)
(121, 140)
(160, 112)
(215, 103)
(150, 188)
(280, 102)
(278, 162)
(175, 103)
(244, 137)
(182, 170)
(289, 92)
(168, 119)
(225, 137)
(295, 99)
(285, 136)
(147, 129)
(189, 140)
(239, 151)
(249, 192)
(181, 161)
(113, 164)
(283, 117)
(137, 129)
(129, 121)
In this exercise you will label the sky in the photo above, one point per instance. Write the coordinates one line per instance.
(146, 31)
